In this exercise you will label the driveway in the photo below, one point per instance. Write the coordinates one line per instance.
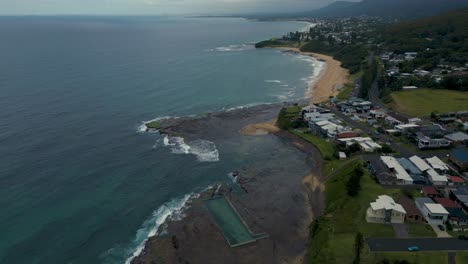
(424, 244)
(401, 230)
(439, 232)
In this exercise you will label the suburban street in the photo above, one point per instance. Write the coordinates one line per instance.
(424, 244)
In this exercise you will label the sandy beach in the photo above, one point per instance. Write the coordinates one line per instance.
(330, 80)
(260, 129)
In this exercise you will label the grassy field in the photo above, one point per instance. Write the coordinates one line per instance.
(326, 148)
(421, 102)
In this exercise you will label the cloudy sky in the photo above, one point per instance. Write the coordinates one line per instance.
(156, 7)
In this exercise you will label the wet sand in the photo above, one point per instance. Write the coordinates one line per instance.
(282, 197)
(260, 129)
(331, 79)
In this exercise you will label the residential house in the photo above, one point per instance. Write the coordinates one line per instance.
(456, 214)
(410, 55)
(458, 138)
(385, 210)
(460, 196)
(419, 163)
(455, 181)
(413, 215)
(434, 213)
(460, 158)
(436, 179)
(437, 164)
(430, 191)
(402, 177)
(413, 171)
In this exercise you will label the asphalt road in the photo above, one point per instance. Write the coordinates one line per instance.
(424, 244)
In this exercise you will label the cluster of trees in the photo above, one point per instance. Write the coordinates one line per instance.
(353, 185)
(435, 38)
(287, 120)
(370, 74)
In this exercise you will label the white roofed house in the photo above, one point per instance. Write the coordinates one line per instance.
(385, 210)
(436, 178)
(434, 213)
(437, 164)
(401, 175)
(420, 163)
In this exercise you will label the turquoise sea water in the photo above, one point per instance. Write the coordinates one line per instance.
(78, 182)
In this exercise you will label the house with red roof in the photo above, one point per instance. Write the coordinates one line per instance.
(456, 214)
(456, 181)
(430, 191)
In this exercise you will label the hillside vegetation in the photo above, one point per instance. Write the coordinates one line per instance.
(435, 38)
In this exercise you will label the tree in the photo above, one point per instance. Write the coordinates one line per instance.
(353, 185)
(358, 243)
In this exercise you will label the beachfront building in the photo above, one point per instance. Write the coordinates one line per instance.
(366, 144)
(385, 210)
(402, 177)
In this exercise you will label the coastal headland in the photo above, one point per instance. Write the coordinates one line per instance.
(283, 194)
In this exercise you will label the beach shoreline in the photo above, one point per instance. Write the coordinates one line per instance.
(329, 81)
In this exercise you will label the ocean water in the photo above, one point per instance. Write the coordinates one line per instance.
(79, 181)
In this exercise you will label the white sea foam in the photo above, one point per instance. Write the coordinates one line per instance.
(204, 150)
(231, 48)
(142, 127)
(273, 81)
(307, 27)
(171, 210)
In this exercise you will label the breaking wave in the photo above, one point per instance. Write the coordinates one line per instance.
(204, 150)
(173, 210)
(142, 127)
(231, 48)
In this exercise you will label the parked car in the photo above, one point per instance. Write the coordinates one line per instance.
(413, 248)
(463, 237)
(441, 227)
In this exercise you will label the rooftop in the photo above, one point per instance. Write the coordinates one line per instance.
(430, 190)
(458, 136)
(400, 172)
(446, 202)
(456, 179)
(436, 208)
(419, 163)
(436, 163)
(460, 154)
(386, 202)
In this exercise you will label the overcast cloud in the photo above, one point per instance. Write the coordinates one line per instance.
(156, 7)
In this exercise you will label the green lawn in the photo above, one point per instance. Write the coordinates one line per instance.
(421, 230)
(421, 102)
(326, 148)
(462, 257)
